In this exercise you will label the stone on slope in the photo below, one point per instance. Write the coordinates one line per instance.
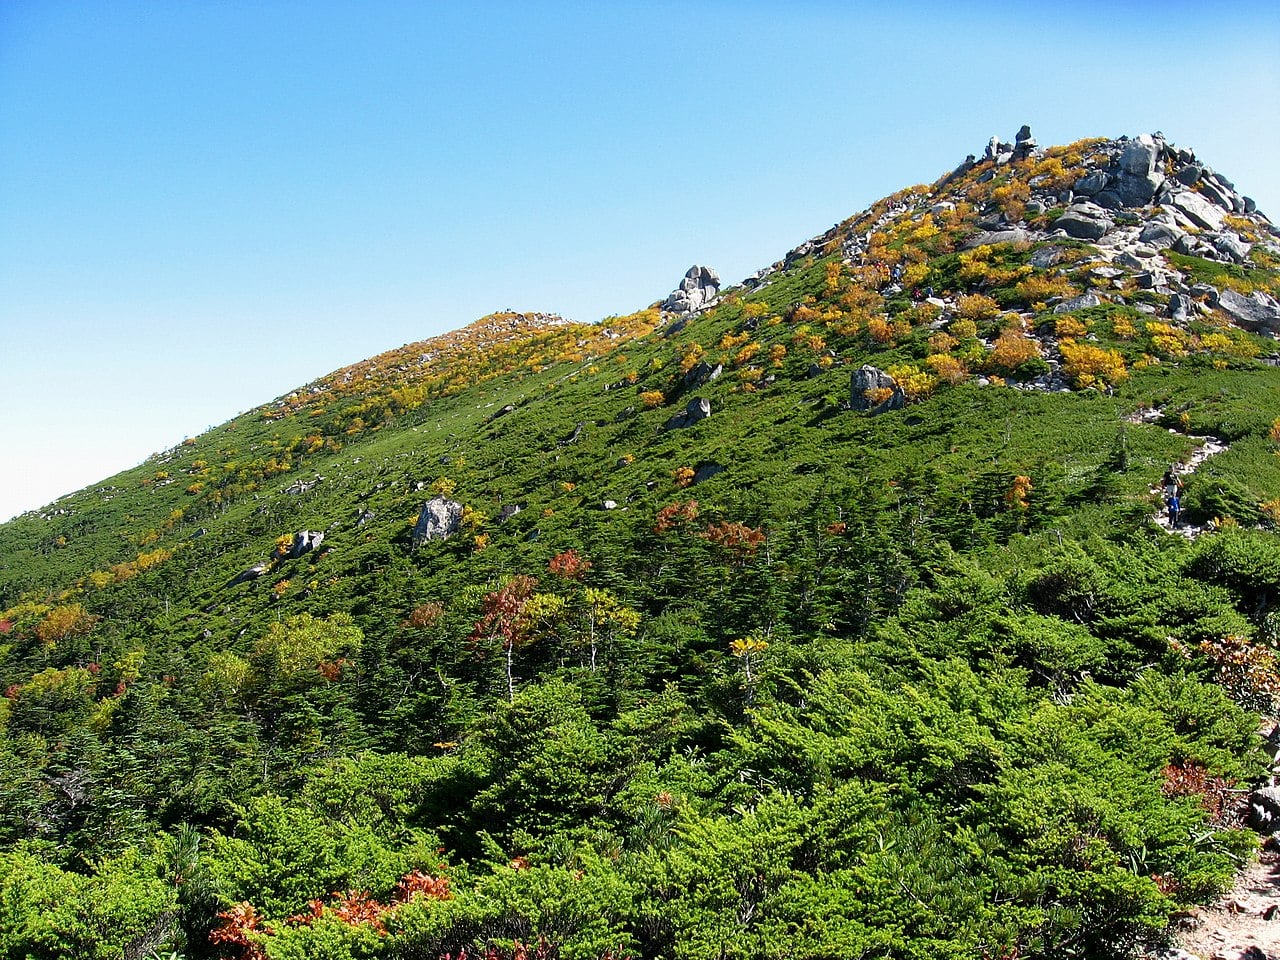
(1082, 302)
(1139, 156)
(439, 520)
(1160, 235)
(1082, 223)
(304, 541)
(1198, 210)
(1257, 312)
(868, 378)
(699, 408)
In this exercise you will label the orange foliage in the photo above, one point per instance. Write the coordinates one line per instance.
(569, 564)
(737, 538)
(674, 515)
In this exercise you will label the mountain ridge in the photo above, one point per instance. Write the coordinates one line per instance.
(821, 613)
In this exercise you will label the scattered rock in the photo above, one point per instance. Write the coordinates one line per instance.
(1139, 156)
(1264, 810)
(1082, 302)
(1231, 246)
(1160, 235)
(701, 373)
(865, 385)
(1181, 308)
(507, 511)
(364, 516)
(1046, 256)
(988, 237)
(253, 573)
(1084, 221)
(1091, 183)
(439, 520)
(609, 505)
(699, 408)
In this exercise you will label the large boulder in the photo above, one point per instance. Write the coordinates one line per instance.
(1139, 156)
(1231, 247)
(1181, 308)
(304, 541)
(700, 373)
(1091, 183)
(1137, 190)
(1082, 222)
(1264, 810)
(439, 520)
(867, 391)
(699, 287)
(1257, 312)
(699, 408)
(1160, 235)
(1198, 210)
(253, 573)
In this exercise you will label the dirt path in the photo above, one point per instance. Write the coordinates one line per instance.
(1242, 925)
(1209, 446)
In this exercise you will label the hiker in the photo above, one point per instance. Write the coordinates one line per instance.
(1171, 484)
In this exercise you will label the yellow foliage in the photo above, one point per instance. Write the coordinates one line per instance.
(746, 354)
(652, 398)
(731, 341)
(941, 343)
(1123, 327)
(755, 308)
(1067, 326)
(683, 476)
(977, 306)
(946, 368)
(1042, 286)
(1012, 349)
(963, 329)
(776, 354)
(692, 354)
(1089, 366)
(915, 383)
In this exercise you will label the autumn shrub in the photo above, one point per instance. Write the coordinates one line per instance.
(976, 307)
(1012, 351)
(1089, 366)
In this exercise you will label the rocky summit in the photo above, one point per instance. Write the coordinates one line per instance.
(914, 597)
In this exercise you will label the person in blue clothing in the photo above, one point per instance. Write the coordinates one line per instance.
(1171, 484)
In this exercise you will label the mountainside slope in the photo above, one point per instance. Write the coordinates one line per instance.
(828, 618)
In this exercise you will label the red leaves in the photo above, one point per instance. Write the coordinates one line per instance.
(241, 922)
(235, 931)
(737, 538)
(1215, 793)
(502, 609)
(675, 515)
(419, 884)
(569, 565)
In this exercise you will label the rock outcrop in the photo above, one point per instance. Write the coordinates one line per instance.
(874, 391)
(698, 289)
(699, 408)
(439, 520)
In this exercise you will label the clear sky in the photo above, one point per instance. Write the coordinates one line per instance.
(206, 204)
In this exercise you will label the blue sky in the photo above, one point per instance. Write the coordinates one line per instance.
(204, 205)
